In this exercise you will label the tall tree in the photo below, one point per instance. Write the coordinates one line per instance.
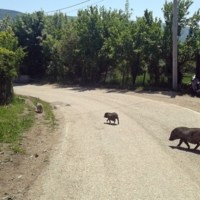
(11, 56)
(183, 21)
(29, 29)
(152, 47)
(89, 30)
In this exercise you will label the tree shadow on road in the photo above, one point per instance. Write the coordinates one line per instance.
(113, 90)
(76, 87)
(186, 149)
(82, 89)
(169, 93)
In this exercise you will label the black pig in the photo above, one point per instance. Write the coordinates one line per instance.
(185, 134)
(111, 117)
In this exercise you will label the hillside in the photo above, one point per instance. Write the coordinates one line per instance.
(12, 13)
(184, 34)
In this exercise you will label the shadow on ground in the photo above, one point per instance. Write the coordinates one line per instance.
(186, 149)
(78, 88)
(19, 84)
(112, 124)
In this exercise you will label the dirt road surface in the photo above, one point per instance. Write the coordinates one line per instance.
(132, 160)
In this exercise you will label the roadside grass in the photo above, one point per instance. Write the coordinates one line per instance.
(14, 120)
(187, 78)
(49, 116)
(19, 117)
(142, 84)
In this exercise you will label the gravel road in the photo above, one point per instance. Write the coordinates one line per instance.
(132, 160)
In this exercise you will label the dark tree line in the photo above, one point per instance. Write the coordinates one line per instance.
(101, 41)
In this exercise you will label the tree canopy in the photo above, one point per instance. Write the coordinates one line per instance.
(101, 41)
(11, 54)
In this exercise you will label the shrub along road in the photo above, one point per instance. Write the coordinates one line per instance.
(132, 160)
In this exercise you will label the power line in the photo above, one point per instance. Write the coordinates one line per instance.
(85, 6)
(67, 7)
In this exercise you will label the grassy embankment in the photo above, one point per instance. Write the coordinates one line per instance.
(19, 117)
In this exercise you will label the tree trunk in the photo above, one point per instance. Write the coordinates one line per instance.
(135, 69)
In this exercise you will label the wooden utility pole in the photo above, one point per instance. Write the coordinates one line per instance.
(175, 49)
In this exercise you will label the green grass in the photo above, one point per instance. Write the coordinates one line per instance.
(19, 117)
(49, 116)
(138, 86)
(16, 148)
(14, 121)
(187, 78)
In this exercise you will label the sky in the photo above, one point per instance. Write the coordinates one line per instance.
(72, 7)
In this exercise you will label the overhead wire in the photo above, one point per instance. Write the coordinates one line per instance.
(85, 6)
(68, 6)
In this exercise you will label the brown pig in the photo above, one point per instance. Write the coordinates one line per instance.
(185, 134)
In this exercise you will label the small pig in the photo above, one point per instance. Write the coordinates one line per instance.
(185, 134)
(39, 107)
(111, 117)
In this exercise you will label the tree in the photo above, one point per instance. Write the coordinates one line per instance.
(29, 30)
(10, 52)
(184, 54)
(11, 56)
(152, 48)
(70, 68)
(192, 44)
(90, 33)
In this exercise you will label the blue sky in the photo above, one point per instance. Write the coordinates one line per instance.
(29, 6)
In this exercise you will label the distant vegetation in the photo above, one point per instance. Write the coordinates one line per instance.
(12, 13)
(103, 46)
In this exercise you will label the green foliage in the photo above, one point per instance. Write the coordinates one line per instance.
(10, 60)
(7, 62)
(29, 30)
(101, 41)
(11, 54)
(187, 78)
(186, 49)
(90, 33)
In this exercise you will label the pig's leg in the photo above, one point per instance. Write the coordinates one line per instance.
(180, 142)
(187, 144)
(197, 146)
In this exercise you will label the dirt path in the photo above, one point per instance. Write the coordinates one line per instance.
(132, 160)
